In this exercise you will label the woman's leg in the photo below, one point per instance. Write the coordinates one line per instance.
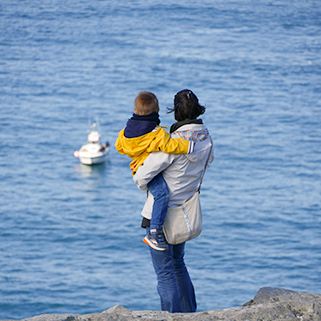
(183, 280)
(166, 282)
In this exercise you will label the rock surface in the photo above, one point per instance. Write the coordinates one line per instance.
(268, 304)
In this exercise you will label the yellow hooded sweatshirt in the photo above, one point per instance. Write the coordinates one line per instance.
(138, 148)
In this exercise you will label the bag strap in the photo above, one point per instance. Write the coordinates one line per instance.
(209, 155)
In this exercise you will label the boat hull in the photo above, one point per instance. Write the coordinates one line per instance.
(93, 160)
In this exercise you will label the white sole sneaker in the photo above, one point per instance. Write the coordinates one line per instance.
(151, 244)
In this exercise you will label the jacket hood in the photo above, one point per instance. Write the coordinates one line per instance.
(140, 125)
(197, 133)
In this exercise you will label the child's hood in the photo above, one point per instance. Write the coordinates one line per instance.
(140, 125)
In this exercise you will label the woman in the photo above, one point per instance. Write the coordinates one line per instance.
(182, 174)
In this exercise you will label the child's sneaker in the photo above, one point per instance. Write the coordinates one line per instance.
(156, 239)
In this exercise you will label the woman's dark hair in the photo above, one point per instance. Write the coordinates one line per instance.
(186, 106)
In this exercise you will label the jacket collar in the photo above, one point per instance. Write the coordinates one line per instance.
(179, 124)
(150, 117)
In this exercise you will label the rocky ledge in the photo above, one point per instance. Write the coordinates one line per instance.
(268, 304)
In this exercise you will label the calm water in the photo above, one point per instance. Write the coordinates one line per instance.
(70, 236)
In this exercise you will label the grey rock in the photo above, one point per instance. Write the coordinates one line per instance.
(269, 304)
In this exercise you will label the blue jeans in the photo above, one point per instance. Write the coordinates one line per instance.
(158, 187)
(174, 285)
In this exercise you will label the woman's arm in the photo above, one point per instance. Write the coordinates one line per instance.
(155, 163)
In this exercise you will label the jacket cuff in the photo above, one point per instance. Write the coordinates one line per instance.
(191, 147)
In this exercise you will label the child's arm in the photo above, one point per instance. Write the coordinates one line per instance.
(166, 144)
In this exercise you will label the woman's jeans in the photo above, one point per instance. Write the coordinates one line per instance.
(158, 187)
(174, 286)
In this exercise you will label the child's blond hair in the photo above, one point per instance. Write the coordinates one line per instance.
(146, 103)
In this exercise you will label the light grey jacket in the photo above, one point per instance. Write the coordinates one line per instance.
(182, 173)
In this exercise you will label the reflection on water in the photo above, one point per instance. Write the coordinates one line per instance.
(92, 171)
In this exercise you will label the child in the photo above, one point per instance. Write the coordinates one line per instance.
(141, 136)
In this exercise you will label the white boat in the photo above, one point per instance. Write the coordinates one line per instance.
(93, 152)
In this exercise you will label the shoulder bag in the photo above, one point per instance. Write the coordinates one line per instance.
(184, 222)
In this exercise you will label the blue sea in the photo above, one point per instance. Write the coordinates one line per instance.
(70, 236)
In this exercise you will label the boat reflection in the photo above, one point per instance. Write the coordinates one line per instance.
(91, 171)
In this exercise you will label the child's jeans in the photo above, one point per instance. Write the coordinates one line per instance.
(158, 187)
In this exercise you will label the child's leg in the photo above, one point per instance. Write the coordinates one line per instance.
(158, 187)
